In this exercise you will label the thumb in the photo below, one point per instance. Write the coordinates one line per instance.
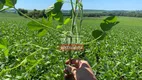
(70, 69)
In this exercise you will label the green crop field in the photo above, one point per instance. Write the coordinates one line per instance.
(29, 57)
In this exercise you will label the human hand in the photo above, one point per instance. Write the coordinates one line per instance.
(80, 70)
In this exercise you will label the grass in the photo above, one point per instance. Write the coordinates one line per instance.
(117, 57)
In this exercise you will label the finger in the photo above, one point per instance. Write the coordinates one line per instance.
(84, 64)
(68, 61)
(71, 69)
(65, 75)
(65, 71)
(69, 77)
(76, 62)
(68, 70)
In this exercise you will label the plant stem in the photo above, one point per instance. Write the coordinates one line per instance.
(81, 18)
(36, 21)
(73, 16)
(76, 16)
(72, 26)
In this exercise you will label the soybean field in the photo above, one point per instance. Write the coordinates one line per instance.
(26, 56)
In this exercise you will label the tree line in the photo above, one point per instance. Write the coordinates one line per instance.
(41, 13)
(33, 14)
(109, 13)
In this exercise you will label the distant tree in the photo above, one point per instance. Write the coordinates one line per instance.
(43, 14)
(23, 11)
(37, 14)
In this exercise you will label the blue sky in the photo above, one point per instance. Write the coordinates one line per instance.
(88, 4)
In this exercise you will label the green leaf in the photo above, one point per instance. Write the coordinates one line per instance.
(59, 26)
(6, 53)
(10, 3)
(57, 7)
(42, 32)
(59, 17)
(67, 21)
(108, 23)
(2, 46)
(50, 19)
(55, 11)
(105, 26)
(46, 22)
(49, 10)
(4, 42)
(53, 14)
(111, 19)
(98, 34)
(4, 9)
(2, 2)
(35, 26)
(59, 0)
